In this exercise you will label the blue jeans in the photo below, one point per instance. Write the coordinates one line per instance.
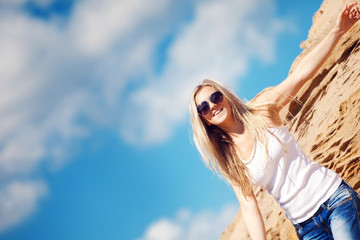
(337, 218)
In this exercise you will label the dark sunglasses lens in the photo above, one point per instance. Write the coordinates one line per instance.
(217, 97)
(203, 108)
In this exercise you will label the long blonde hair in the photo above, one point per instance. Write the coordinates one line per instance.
(215, 145)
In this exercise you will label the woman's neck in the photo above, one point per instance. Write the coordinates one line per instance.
(233, 129)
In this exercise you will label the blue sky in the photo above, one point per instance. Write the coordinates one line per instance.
(94, 130)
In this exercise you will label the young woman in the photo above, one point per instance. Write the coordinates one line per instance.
(246, 144)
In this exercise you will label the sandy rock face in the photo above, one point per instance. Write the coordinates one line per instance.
(326, 124)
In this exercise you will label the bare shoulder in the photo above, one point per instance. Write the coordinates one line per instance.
(274, 95)
(265, 96)
(264, 106)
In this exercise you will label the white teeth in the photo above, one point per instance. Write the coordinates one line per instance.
(217, 112)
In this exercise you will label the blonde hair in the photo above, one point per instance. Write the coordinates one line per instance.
(215, 145)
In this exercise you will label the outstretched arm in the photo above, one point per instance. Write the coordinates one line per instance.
(311, 63)
(251, 215)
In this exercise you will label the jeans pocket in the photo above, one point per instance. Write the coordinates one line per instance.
(312, 231)
(340, 197)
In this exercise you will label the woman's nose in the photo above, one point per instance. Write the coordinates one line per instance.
(211, 105)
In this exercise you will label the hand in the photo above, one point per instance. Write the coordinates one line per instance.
(348, 17)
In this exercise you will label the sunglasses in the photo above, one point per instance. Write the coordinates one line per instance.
(204, 107)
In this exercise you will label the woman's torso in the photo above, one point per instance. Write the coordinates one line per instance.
(299, 185)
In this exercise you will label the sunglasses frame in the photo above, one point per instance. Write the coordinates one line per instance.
(203, 108)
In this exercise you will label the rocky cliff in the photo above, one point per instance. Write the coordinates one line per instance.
(326, 124)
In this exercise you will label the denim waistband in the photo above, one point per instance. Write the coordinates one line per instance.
(319, 211)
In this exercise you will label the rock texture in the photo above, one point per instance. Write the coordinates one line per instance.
(326, 124)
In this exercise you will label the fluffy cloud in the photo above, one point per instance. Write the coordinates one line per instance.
(128, 65)
(60, 77)
(192, 226)
(97, 26)
(18, 200)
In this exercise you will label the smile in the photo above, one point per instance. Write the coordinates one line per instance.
(218, 112)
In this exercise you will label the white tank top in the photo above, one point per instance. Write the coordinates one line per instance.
(299, 185)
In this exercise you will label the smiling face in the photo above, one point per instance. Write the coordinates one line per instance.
(219, 113)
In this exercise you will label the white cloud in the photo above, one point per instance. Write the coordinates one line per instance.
(13, 3)
(207, 224)
(18, 200)
(163, 229)
(55, 78)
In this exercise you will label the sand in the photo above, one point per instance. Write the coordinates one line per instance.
(326, 125)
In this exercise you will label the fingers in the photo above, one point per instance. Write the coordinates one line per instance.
(350, 5)
(354, 13)
(348, 17)
(351, 11)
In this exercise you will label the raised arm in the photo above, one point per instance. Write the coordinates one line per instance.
(311, 63)
(251, 215)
